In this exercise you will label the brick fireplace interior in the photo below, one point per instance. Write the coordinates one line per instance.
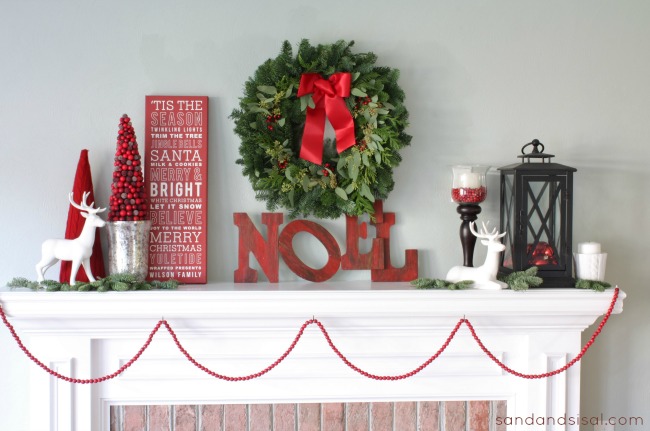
(357, 416)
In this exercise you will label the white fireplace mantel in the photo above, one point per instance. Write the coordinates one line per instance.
(239, 329)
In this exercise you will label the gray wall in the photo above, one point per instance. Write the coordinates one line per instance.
(481, 79)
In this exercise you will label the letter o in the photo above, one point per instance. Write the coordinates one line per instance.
(298, 266)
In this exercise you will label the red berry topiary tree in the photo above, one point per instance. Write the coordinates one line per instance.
(128, 200)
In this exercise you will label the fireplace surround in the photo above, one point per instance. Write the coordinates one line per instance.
(239, 329)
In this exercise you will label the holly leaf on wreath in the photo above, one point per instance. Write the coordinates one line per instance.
(287, 93)
(305, 183)
(365, 191)
(341, 193)
(268, 89)
(353, 170)
(307, 101)
(258, 109)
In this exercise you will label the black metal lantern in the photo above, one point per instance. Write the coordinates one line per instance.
(536, 214)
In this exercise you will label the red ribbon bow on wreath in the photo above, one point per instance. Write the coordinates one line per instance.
(327, 95)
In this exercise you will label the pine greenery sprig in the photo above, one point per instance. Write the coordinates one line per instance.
(23, 282)
(436, 283)
(167, 285)
(270, 120)
(522, 280)
(114, 282)
(598, 286)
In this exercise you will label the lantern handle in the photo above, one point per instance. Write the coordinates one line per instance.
(535, 143)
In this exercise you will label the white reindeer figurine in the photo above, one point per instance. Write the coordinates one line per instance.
(484, 276)
(77, 250)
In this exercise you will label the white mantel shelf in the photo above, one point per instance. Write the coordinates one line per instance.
(238, 329)
(307, 299)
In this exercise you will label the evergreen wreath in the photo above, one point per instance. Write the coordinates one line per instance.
(271, 119)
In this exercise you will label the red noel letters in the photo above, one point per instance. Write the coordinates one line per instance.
(266, 251)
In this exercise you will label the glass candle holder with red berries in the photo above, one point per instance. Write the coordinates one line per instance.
(468, 190)
(468, 184)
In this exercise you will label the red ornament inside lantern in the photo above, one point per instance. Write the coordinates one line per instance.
(543, 254)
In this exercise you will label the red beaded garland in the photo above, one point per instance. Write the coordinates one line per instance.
(329, 341)
(127, 177)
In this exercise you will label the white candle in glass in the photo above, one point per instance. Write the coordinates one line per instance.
(590, 261)
(589, 248)
(470, 180)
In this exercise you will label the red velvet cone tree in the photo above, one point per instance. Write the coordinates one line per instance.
(83, 182)
(128, 201)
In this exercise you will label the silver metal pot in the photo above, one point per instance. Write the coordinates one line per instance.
(128, 247)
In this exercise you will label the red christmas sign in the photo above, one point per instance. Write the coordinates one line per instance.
(176, 167)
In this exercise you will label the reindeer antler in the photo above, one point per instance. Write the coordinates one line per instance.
(84, 206)
(490, 236)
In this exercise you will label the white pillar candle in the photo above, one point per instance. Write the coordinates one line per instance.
(590, 261)
(470, 180)
(589, 248)
(590, 266)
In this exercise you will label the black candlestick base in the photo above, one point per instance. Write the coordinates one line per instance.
(468, 213)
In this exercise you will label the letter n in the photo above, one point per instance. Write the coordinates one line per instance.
(251, 241)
